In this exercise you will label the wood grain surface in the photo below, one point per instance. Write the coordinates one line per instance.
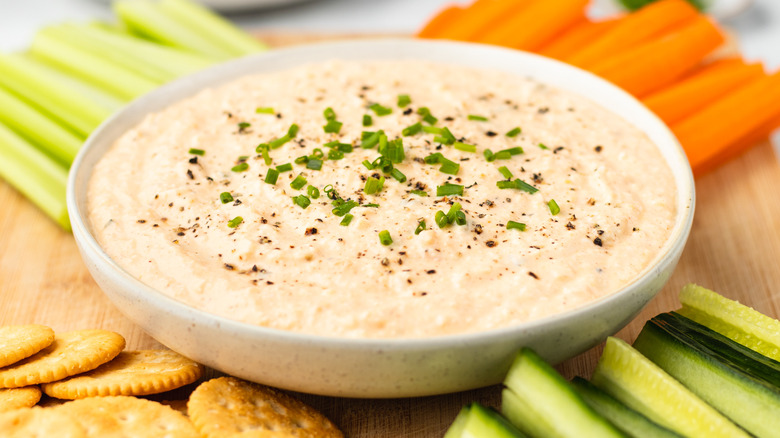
(734, 248)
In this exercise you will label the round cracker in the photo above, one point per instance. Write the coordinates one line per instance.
(15, 398)
(39, 423)
(130, 373)
(71, 353)
(230, 407)
(122, 416)
(21, 341)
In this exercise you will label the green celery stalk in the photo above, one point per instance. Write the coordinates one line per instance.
(34, 174)
(59, 142)
(146, 18)
(36, 85)
(91, 67)
(213, 26)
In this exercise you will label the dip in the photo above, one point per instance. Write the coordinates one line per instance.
(560, 201)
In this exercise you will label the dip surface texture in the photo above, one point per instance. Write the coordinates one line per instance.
(156, 203)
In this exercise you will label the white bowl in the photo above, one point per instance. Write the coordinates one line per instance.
(376, 367)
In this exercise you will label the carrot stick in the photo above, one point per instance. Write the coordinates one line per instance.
(441, 20)
(637, 28)
(709, 133)
(684, 98)
(706, 67)
(536, 24)
(480, 17)
(576, 38)
(658, 63)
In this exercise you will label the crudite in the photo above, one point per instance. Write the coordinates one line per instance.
(383, 200)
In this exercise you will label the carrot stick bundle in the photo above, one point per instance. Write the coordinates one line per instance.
(536, 24)
(576, 38)
(684, 98)
(637, 28)
(440, 21)
(657, 64)
(480, 17)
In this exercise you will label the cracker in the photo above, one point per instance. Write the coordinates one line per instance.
(71, 353)
(21, 341)
(130, 373)
(122, 416)
(39, 423)
(15, 398)
(230, 407)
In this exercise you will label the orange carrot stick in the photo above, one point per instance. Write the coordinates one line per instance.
(480, 17)
(658, 63)
(637, 28)
(576, 38)
(709, 133)
(441, 20)
(684, 98)
(536, 24)
(707, 67)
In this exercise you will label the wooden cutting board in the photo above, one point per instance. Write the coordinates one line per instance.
(734, 248)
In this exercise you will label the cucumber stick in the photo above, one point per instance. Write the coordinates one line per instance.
(631, 422)
(541, 403)
(477, 421)
(732, 319)
(749, 402)
(625, 374)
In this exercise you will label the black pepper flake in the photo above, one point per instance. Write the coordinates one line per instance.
(229, 267)
(449, 118)
(599, 148)
(254, 268)
(311, 231)
(407, 111)
(570, 226)
(635, 229)
(141, 221)
(533, 275)
(385, 261)
(543, 110)
(430, 271)
(537, 178)
(189, 174)
(597, 241)
(269, 283)
(600, 232)
(491, 243)
(491, 134)
(558, 149)
(194, 160)
(180, 233)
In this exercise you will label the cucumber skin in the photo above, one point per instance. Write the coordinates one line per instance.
(631, 422)
(749, 402)
(477, 421)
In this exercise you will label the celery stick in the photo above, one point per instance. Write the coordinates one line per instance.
(28, 121)
(213, 26)
(34, 174)
(147, 19)
(36, 85)
(91, 67)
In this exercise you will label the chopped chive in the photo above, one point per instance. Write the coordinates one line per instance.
(302, 201)
(502, 155)
(317, 153)
(460, 218)
(420, 227)
(240, 167)
(194, 151)
(542, 146)
(374, 185)
(236, 221)
(332, 126)
(449, 167)
(434, 158)
(477, 118)
(393, 150)
(505, 172)
(272, 176)
(432, 130)
(404, 100)
(449, 189)
(265, 110)
(517, 150)
(554, 209)
(514, 132)
(335, 154)
(419, 192)
(367, 120)
(512, 225)
(292, 131)
(303, 159)
(454, 209)
(445, 132)
(329, 114)
(243, 158)
(284, 167)
(384, 238)
(370, 139)
(440, 139)
(264, 150)
(382, 163)
(298, 182)
(398, 175)
(368, 165)
(488, 154)
(441, 219)
(314, 164)
(372, 205)
(346, 220)
(517, 184)
(343, 147)
(313, 192)
(380, 110)
(278, 142)
(243, 125)
(344, 208)
(225, 197)
(465, 147)
(430, 119)
(411, 130)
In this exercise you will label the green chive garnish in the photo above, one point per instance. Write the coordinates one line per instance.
(370, 139)
(344, 208)
(432, 130)
(265, 110)
(332, 126)
(448, 136)
(367, 120)
(374, 185)
(317, 153)
(404, 100)
(302, 201)
(460, 218)
(303, 159)
(419, 192)
(506, 172)
(411, 130)
(243, 125)
(272, 176)
(478, 118)
(554, 209)
(441, 219)
(517, 150)
(502, 155)
(194, 151)
(449, 189)
(335, 154)
(517, 184)
(465, 147)
(512, 225)
(225, 197)
(542, 146)
(449, 167)
(384, 238)
(329, 114)
(372, 205)
(313, 192)
(454, 209)
(341, 147)
(434, 158)
(347, 219)
(398, 175)
(420, 227)
(514, 132)
(279, 142)
(284, 167)
(488, 154)
(380, 110)
(314, 164)
(292, 131)
(427, 116)
(236, 221)
(264, 150)
(240, 167)
(368, 165)
(298, 182)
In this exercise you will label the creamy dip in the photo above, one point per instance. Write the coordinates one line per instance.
(260, 257)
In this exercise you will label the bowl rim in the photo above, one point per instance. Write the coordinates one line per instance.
(388, 48)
